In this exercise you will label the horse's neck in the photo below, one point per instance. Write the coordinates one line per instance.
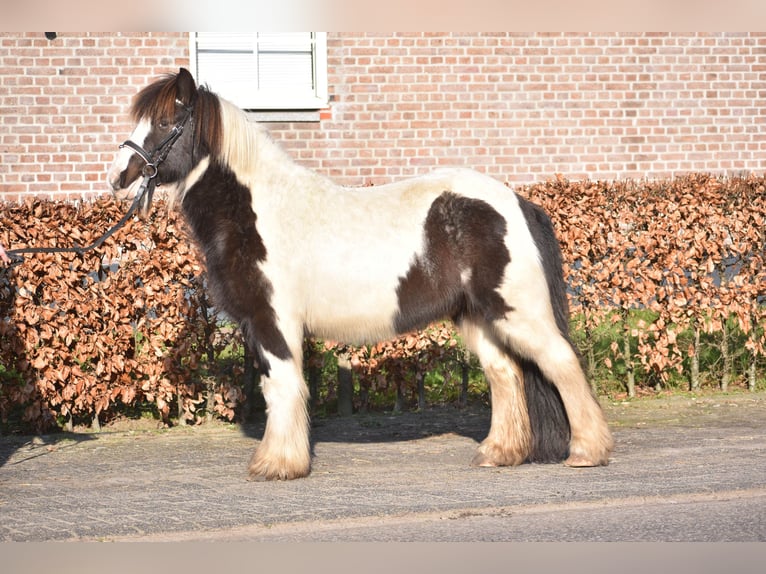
(274, 168)
(262, 165)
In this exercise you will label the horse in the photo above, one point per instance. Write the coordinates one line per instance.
(290, 253)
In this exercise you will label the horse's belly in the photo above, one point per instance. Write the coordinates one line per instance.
(352, 310)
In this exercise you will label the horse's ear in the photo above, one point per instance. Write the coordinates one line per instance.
(187, 88)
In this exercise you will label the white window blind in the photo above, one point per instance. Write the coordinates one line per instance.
(263, 71)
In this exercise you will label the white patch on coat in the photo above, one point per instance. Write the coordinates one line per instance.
(284, 451)
(120, 163)
(341, 253)
(176, 194)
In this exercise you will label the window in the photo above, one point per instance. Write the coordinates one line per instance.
(263, 71)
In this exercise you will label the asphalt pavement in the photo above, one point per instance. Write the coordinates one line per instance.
(684, 469)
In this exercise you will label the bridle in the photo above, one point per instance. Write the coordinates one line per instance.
(153, 160)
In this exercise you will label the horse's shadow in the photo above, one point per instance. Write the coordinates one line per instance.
(470, 420)
(18, 449)
(381, 427)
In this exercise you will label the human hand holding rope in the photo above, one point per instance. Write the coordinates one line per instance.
(4, 256)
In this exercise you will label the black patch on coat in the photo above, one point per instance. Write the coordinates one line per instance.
(460, 234)
(547, 417)
(219, 210)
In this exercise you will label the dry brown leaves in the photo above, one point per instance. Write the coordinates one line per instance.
(690, 249)
(130, 323)
(82, 335)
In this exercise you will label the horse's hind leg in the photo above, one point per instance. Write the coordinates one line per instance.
(536, 337)
(284, 453)
(509, 440)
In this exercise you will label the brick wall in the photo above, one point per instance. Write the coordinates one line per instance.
(64, 103)
(524, 107)
(521, 107)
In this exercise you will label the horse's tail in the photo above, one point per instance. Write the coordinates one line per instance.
(548, 419)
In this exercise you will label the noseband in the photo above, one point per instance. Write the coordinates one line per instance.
(153, 160)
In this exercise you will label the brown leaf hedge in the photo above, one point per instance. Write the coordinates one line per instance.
(691, 250)
(83, 337)
(125, 324)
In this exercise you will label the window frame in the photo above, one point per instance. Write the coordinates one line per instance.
(270, 101)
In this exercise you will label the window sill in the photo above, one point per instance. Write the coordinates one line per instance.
(283, 115)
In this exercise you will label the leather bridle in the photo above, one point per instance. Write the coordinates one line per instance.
(153, 160)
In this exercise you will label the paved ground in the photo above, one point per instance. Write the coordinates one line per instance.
(683, 469)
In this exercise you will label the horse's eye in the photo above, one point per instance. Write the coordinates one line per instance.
(163, 124)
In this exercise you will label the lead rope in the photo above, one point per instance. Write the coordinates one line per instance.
(146, 189)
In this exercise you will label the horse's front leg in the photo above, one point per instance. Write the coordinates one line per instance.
(284, 452)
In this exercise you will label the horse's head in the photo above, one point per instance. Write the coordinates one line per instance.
(166, 141)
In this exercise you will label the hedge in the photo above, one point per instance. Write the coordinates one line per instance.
(84, 337)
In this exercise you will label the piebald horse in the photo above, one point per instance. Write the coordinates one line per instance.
(291, 253)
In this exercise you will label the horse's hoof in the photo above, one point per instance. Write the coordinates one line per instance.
(489, 454)
(594, 451)
(260, 476)
(583, 461)
(261, 471)
(481, 459)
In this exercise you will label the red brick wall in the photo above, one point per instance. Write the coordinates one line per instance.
(63, 106)
(521, 107)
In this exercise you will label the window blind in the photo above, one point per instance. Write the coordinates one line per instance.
(262, 70)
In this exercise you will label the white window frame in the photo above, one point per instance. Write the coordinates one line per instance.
(253, 99)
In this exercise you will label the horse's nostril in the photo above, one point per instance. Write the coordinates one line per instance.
(116, 182)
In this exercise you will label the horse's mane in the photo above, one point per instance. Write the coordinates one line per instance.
(221, 129)
(158, 100)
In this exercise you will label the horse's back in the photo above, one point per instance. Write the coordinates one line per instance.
(358, 258)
